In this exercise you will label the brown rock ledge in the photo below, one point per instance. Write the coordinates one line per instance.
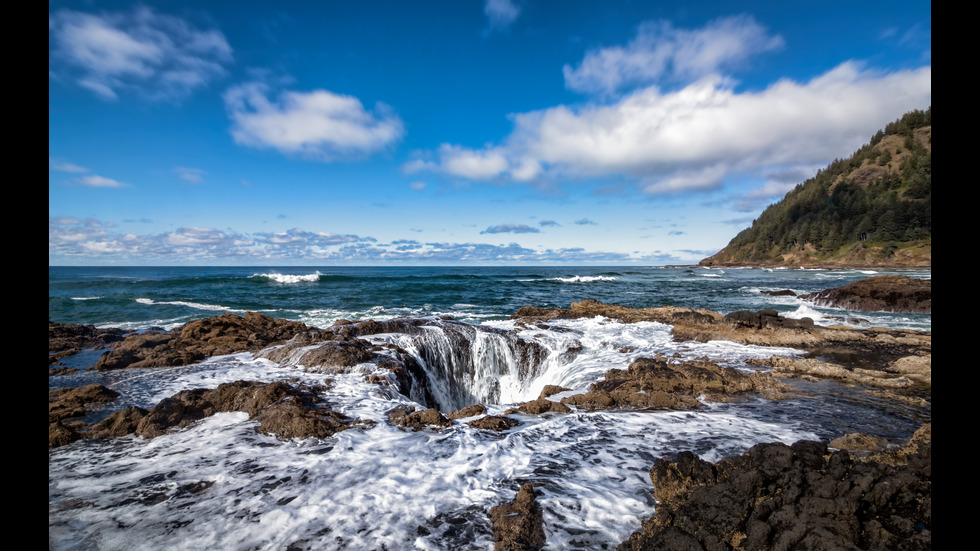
(518, 525)
(282, 409)
(661, 384)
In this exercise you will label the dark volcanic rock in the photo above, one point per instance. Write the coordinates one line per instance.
(793, 497)
(200, 339)
(518, 525)
(657, 383)
(783, 293)
(71, 336)
(878, 293)
(766, 318)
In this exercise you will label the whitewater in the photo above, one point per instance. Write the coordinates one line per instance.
(220, 484)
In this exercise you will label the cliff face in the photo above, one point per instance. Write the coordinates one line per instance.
(873, 209)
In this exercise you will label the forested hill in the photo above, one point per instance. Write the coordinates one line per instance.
(873, 209)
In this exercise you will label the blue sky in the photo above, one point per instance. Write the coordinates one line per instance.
(457, 132)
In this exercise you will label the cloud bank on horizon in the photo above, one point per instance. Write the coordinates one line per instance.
(214, 133)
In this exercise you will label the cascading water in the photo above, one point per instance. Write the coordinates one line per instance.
(468, 364)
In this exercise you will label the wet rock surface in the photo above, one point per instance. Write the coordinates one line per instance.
(410, 418)
(802, 496)
(282, 409)
(200, 339)
(468, 411)
(494, 422)
(661, 384)
(67, 339)
(879, 293)
(518, 525)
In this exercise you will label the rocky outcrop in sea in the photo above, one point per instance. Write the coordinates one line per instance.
(879, 293)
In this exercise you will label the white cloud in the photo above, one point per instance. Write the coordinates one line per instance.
(473, 164)
(162, 56)
(189, 175)
(500, 13)
(661, 52)
(63, 166)
(100, 181)
(691, 139)
(318, 125)
(511, 228)
(71, 240)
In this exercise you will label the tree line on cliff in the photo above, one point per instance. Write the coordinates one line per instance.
(879, 200)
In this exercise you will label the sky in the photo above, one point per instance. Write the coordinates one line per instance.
(455, 132)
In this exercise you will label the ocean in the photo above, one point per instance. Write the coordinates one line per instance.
(219, 484)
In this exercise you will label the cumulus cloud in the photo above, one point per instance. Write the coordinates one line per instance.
(548, 223)
(585, 222)
(319, 125)
(511, 228)
(690, 139)
(158, 55)
(662, 52)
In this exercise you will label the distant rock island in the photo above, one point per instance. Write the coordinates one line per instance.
(871, 210)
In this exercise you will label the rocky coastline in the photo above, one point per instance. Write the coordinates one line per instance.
(809, 495)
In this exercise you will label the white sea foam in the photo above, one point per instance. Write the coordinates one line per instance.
(291, 278)
(219, 484)
(85, 298)
(583, 279)
(807, 311)
(195, 305)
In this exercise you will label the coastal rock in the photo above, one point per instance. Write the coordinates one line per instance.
(322, 355)
(283, 410)
(878, 294)
(657, 383)
(468, 411)
(550, 390)
(67, 403)
(408, 417)
(812, 367)
(494, 422)
(540, 406)
(518, 525)
(200, 339)
(122, 422)
(793, 497)
(590, 308)
(73, 337)
(858, 443)
(782, 293)
(766, 318)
